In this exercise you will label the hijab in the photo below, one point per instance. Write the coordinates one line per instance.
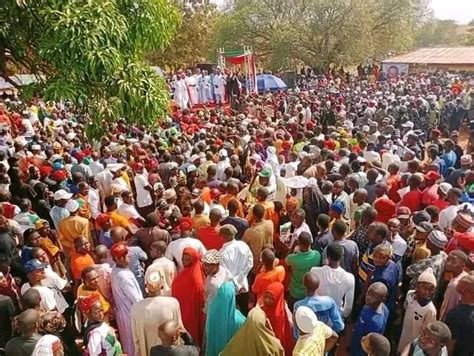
(277, 314)
(188, 289)
(254, 338)
(223, 319)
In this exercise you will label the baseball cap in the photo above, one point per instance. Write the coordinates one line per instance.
(39, 224)
(169, 194)
(432, 175)
(466, 160)
(424, 226)
(186, 224)
(34, 265)
(421, 216)
(265, 173)
(118, 250)
(61, 194)
(72, 206)
(408, 124)
(444, 187)
(403, 212)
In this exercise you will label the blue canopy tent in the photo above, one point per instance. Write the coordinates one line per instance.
(269, 82)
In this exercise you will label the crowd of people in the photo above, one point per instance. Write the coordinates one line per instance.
(336, 218)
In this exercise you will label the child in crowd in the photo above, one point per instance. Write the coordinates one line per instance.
(373, 317)
(375, 345)
(104, 225)
(80, 259)
(419, 308)
(269, 273)
(387, 272)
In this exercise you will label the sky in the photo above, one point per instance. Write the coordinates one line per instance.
(461, 11)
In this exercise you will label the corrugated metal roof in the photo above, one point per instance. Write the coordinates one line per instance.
(445, 55)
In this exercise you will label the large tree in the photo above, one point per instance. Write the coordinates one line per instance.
(192, 41)
(318, 32)
(91, 52)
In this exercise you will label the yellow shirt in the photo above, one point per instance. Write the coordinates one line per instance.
(82, 292)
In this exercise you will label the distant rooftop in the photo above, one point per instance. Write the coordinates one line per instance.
(441, 55)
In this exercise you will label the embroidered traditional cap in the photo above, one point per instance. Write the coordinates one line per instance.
(427, 276)
(212, 257)
(438, 238)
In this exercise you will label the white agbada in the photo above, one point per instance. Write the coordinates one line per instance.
(219, 84)
(181, 96)
(191, 84)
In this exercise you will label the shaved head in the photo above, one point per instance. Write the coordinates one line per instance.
(311, 283)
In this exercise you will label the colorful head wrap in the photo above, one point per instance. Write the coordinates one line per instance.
(85, 304)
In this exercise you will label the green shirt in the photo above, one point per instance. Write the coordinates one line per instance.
(300, 263)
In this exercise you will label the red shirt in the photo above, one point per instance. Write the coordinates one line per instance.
(394, 184)
(441, 204)
(412, 200)
(210, 238)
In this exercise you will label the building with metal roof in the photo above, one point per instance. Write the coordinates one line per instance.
(432, 59)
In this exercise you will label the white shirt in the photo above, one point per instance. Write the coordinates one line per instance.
(48, 301)
(237, 258)
(121, 183)
(96, 167)
(56, 284)
(447, 215)
(399, 245)
(174, 252)
(105, 179)
(339, 285)
(167, 270)
(143, 195)
(129, 212)
(94, 202)
(219, 84)
(303, 228)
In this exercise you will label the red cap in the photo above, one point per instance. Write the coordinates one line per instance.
(118, 250)
(403, 212)
(59, 175)
(466, 240)
(186, 224)
(101, 220)
(85, 303)
(45, 170)
(432, 175)
(436, 131)
(215, 193)
(80, 156)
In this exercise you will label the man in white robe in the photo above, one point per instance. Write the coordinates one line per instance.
(203, 86)
(126, 293)
(219, 88)
(151, 312)
(191, 84)
(181, 95)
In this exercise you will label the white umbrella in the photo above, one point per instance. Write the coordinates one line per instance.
(297, 182)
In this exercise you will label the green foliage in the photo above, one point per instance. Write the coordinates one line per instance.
(191, 44)
(93, 51)
(318, 32)
(438, 32)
